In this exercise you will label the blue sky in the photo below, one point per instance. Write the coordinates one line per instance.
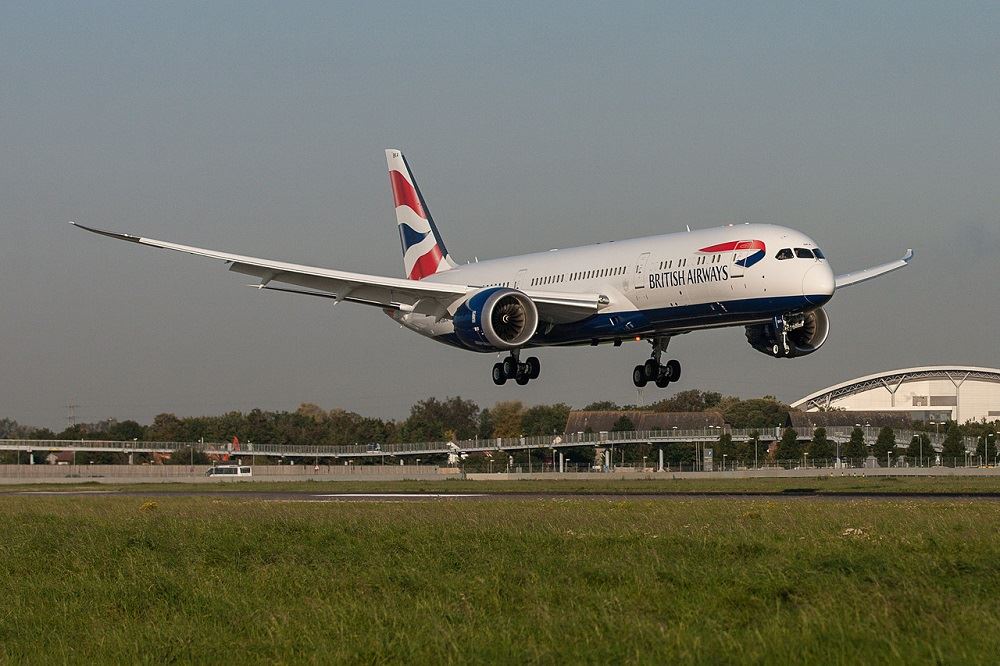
(260, 127)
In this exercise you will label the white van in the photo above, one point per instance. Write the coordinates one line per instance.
(230, 470)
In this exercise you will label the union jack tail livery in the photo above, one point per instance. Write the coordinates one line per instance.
(424, 252)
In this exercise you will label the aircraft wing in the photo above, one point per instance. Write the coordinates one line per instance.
(848, 279)
(421, 296)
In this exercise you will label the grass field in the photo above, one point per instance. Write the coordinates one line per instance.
(598, 485)
(182, 579)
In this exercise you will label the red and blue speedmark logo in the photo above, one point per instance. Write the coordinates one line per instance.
(422, 253)
(737, 246)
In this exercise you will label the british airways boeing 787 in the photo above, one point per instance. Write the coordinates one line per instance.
(771, 280)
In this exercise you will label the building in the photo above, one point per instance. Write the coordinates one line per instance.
(932, 394)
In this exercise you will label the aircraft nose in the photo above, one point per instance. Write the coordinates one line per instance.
(818, 283)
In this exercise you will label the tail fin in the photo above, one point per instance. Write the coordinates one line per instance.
(424, 252)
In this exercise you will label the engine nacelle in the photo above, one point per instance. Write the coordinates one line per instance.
(496, 319)
(806, 334)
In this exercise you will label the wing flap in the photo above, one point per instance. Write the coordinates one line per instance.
(373, 288)
(421, 296)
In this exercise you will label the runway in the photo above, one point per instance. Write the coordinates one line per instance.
(287, 496)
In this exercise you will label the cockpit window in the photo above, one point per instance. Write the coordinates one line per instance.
(819, 255)
(803, 253)
(784, 253)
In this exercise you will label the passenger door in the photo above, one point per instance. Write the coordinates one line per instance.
(640, 286)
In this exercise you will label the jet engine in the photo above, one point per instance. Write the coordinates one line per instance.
(496, 319)
(805, 333)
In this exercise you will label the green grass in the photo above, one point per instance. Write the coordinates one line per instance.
(598, 485)
(566, 580)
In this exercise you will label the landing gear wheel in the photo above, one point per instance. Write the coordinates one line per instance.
(652, 369)
(776, 350)
(522, 379)
(510, 367)
(662, 381)
(499, 376)
(673, 370)
(639, 376)
(534, 367)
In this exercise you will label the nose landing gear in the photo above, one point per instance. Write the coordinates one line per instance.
(512, 368)
(655, 371)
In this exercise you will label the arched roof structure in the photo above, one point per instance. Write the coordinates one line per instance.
(942, 389)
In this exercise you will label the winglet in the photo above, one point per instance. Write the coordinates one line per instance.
(110, 234)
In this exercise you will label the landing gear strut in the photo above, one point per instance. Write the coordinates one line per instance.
(653, 370)
(512, 368)
(784, 325)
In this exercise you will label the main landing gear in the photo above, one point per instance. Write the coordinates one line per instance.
(655, 371)
(512, 368)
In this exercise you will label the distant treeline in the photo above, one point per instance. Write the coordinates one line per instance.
(431, 419)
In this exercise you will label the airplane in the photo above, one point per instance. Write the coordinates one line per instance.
(771, 280)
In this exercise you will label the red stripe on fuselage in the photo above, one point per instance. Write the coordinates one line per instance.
(403, 193)
(427, 264)
(734, 245)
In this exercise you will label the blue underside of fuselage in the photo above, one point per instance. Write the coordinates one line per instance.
(682, 318)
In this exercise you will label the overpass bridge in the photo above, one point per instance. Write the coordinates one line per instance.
(599, 439)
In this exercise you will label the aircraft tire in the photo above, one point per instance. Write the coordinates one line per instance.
(499, 376)
(639, 376)
(662, 382)
(534, 367)
(674, 369)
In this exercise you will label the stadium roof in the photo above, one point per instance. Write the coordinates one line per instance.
(893, 379)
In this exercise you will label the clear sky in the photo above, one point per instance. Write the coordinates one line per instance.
(259, 128)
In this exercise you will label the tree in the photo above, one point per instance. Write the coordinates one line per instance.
(920, 446)
(602, 406)
(788, 446)
(507, 419)
(545, 419)
(953, 452)
(855, 448)
(485, 424)
(311, 411)
(125, 431)
(188, 455)
(986, 446)
(164, 428)
(431, 418)
(821, 448)
(756, 413)
(885, 444)
(691, 400)
(623, 424)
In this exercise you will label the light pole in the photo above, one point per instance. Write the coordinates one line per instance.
(805, 459)
(724, 461)
(986, 446)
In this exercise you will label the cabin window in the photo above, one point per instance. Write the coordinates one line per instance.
(803, 253)
(784, 253)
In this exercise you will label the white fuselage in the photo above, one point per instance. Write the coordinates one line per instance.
(668, 284)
